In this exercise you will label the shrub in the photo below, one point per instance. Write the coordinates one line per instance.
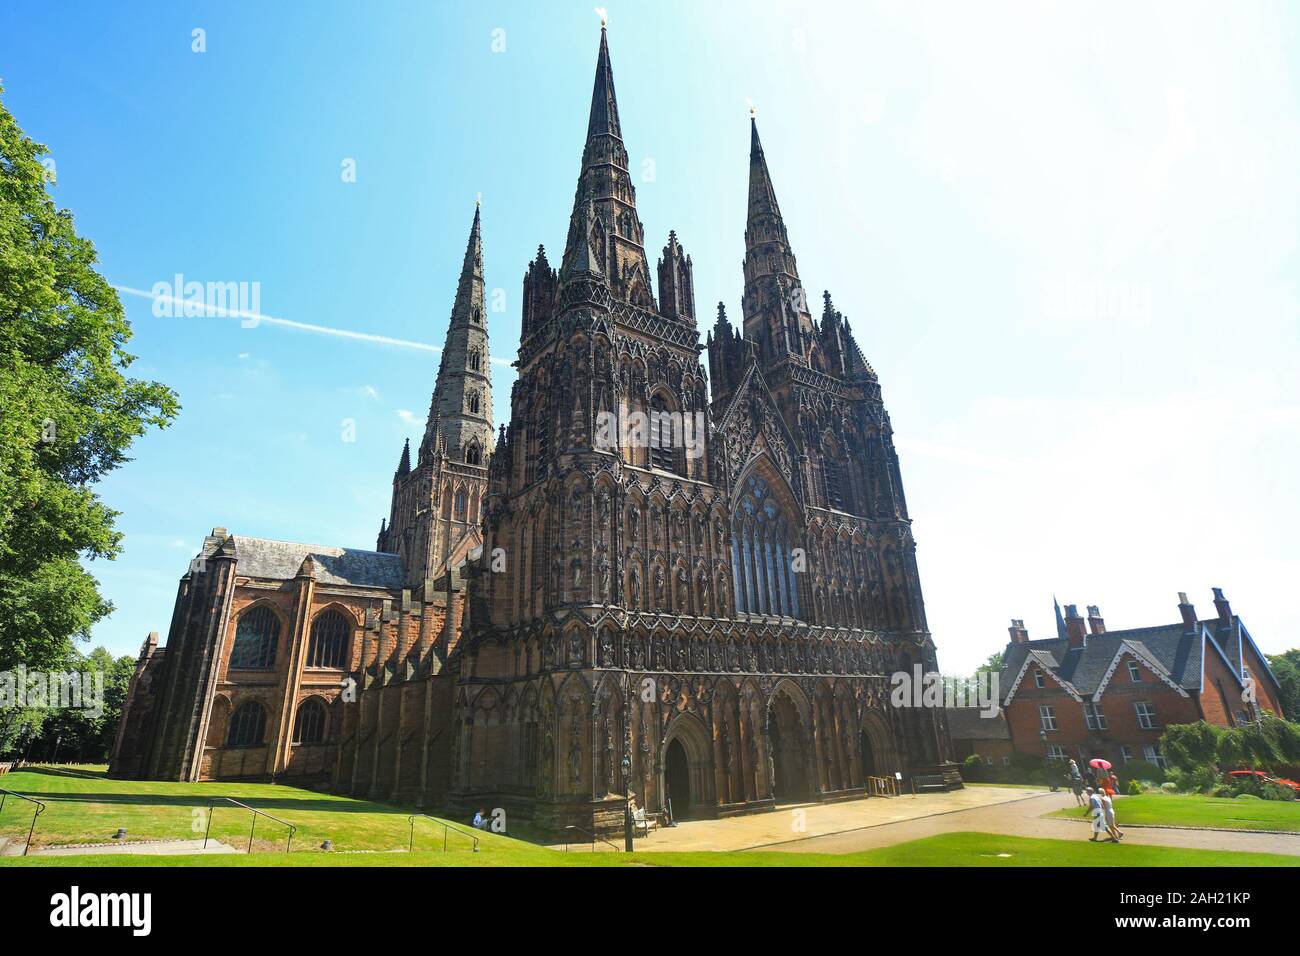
(1247, 796)
(1275, 791)
(1191, 746)
(1140, 770)
(1169, 787)
(1133, 789)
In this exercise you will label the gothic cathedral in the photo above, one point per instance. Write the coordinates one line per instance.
(689, 588)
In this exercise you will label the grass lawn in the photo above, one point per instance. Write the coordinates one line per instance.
(947, 850)
(84, 806)
(1193, 810)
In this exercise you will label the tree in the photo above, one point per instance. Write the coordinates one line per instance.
(68, 414)
(79, 734)
(1286, 668)
(1191, 747)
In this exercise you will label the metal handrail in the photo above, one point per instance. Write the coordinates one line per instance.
(593, 836)
(256, 813)
(40, 808)
(445, 827)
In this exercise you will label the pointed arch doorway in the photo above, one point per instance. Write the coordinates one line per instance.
(791, 749)
(677, 780)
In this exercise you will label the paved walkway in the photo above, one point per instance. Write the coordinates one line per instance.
(137, 848)
(866, 824)
(1025, 818)
(801, 821)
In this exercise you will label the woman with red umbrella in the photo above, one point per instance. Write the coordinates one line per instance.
(1108, 784)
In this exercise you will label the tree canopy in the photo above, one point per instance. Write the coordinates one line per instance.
(68, 413)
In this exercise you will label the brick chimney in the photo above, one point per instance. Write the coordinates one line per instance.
(1188, 612)
(1074, 626)
(1017, 631)
(1222, 606)
(1095, 623)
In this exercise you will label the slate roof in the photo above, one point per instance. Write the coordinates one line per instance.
(967, 723)
(280, 560)
(1172, 649)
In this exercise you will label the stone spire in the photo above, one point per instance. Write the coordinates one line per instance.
(606, 242)
(776, 313)
(404, 464)
(460, 413)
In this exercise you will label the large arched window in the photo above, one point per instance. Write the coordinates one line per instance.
(329, 641)
(473, 456)
(309, 727)
(247, 725)
(762, 542)
(663, 436)
(473, 403)
(256, 638)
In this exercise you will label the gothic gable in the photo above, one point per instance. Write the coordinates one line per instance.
(751, 427)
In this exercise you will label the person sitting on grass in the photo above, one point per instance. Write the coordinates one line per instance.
(1097, 813)
(480, 820)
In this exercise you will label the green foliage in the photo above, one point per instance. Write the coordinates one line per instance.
(1286, 668)
(1189, 747)
(1140, 770)
(68, 414)
(72, 733)
(1133, 789)
(1169, 787)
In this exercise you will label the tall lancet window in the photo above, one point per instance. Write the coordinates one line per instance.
(762, 543)
(663, 438)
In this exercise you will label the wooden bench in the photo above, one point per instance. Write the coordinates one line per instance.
(929, 781)
(642, 821)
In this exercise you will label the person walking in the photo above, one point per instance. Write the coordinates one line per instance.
(1108, 812)
(1097, 813)
(1076, 783)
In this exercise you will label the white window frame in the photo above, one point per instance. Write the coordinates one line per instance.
(1134, 672)
(1056, 752)
(1151, 754)
(1038, 679)
(1094, 715)
(1047, 717)
(1126, 753)
(1146, 714)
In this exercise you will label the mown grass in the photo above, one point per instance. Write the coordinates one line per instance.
(1193, 810)
(946, 850)
(85, 806)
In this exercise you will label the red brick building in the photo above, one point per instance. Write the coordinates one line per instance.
(1089, 692)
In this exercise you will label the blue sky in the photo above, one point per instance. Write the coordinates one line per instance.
(1064, 236)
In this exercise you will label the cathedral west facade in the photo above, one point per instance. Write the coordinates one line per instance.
(692, 588)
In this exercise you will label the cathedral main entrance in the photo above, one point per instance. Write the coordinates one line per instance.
(677, 780)
(790, 746)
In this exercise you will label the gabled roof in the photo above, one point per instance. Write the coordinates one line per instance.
(969, 723)
(280, 561)
(1172, 652)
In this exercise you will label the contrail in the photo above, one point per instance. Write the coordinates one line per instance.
(183, 304)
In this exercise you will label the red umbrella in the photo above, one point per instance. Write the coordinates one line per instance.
(1099, 763)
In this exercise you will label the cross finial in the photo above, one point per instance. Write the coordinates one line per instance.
(604, 16)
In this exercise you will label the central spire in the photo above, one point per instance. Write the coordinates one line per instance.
(606, 242)
(603, 120)
(776, 316)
